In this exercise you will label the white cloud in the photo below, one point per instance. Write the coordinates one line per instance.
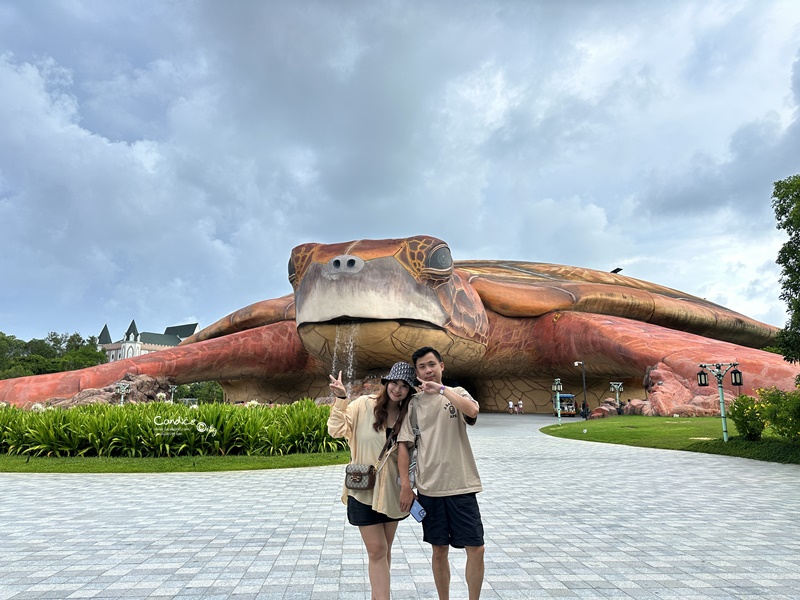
(160, 160)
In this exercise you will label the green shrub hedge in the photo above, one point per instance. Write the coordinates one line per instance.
(160, 429)
(747, 415)
(777, 409)
(781, 411)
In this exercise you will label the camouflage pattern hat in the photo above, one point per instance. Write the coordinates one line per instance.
(401, 371)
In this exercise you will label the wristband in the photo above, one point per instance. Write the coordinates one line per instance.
(441, 391)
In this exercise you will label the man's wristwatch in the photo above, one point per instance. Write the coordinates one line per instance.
(441, 391)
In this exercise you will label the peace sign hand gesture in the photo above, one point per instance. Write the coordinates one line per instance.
(337, 387)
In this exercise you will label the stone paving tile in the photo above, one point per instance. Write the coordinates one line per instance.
(563, 519)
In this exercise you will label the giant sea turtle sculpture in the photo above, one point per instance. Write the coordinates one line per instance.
(506, 330)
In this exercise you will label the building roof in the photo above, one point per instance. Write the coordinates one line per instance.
(105, 336)
(182, 331)
(172, 336)
(132, 329)
(159, 339)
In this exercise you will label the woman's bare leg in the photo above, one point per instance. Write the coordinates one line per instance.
(374, 537)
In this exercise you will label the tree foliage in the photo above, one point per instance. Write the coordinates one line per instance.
(55, 353)
(204, 392)
(786, 204)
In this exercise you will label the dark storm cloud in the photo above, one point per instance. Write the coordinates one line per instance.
(123, 57)
(717, 51)
(743, 182)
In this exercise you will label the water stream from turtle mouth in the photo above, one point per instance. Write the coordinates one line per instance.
(344, 355)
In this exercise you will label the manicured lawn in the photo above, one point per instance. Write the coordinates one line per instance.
(21, 464)
(696, 434)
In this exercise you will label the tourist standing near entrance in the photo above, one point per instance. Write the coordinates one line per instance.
(368, 422)
(447, 478)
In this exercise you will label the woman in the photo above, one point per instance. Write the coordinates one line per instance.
(367, 423)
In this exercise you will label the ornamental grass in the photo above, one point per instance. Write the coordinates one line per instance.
(161, 429)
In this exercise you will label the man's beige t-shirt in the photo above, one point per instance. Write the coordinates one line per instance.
(445, 463)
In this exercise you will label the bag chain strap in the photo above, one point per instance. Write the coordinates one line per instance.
(392, 438)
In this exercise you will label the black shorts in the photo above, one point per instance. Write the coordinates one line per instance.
(360, 514)
(452, 520)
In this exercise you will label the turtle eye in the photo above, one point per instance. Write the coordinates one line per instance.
(292, 272)
(439, 261)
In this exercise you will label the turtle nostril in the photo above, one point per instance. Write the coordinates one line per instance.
(344, 264)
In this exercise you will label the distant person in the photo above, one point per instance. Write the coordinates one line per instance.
(367, 422)
(519, 407)
(447, 477)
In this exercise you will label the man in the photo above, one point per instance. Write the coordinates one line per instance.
(447, 477)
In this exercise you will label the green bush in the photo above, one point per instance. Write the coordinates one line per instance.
(746, 415)
(782, 412)
(161, 429)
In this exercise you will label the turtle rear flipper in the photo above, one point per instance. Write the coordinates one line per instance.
(506, 292)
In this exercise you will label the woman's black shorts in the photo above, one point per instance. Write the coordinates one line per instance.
(361, 514)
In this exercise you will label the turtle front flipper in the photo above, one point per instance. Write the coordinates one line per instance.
(255, 315)
(252, 355)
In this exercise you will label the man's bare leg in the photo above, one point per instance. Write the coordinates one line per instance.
(474, 571)
(441, 571)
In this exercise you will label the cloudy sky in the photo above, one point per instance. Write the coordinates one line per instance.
(160, 159)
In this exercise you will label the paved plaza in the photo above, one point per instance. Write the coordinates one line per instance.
(564, 519)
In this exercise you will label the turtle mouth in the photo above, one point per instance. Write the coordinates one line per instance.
(377, 343)
(361, 321)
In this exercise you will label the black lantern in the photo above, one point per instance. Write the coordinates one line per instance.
(736, 377)
(702, 379)
(557, 387)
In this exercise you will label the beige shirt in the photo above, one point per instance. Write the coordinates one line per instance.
(445, 463)
(354, 422)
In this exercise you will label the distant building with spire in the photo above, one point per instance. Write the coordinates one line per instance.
(137, 344)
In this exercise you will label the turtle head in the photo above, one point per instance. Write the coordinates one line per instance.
(402, 293)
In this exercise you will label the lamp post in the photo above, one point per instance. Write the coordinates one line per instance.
(122, 389)
(557, 387)
(585, 404)
(616, 386)
(172, 389)
(717, 371)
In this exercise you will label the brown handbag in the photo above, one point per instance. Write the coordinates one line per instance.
(359, 477)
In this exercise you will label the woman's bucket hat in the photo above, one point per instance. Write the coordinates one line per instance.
(401, 371)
